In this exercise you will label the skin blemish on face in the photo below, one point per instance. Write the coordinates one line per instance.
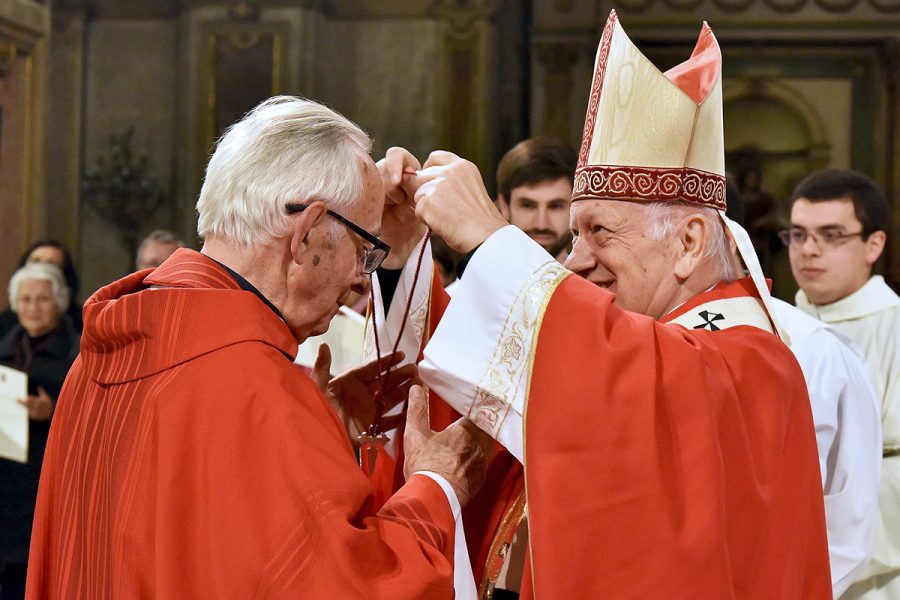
(316, 260)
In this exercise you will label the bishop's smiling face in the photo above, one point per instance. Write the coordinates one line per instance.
(611, 249)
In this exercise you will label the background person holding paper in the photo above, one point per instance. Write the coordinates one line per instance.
(50, 252)
(43, 345)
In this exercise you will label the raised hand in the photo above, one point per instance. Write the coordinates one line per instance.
(399, 226)
(459, 453)
(40, 407)
(451, 199)
(352, 394)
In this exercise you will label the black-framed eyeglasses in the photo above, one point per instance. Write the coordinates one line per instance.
(828, 237)
(373, 257)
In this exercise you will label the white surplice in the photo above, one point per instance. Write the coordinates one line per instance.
(848, 434)
(416, 327)
(871, 318)
(389, 325)
(494, 294)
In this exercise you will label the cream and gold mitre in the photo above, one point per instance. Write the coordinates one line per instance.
(653, 136)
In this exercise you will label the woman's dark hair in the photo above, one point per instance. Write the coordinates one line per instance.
(68, 267)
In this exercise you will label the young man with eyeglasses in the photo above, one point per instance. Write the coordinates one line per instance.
(838, 224)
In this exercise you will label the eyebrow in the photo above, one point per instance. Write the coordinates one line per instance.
(828, 226)
(530, 199)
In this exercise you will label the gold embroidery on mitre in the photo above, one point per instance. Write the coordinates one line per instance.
(510, 362)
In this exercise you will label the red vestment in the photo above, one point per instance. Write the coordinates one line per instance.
(664, 462)
(189, 458)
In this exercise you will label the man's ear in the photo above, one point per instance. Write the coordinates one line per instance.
(503, 206)
(692, 236)
(300, 230)
(875, 246)
(737, 263)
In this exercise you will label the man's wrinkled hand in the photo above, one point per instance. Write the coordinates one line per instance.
(400, 228)
(352, 394)
(451, 199)
(459, 453)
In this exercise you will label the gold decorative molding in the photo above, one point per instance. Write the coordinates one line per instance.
(243, 36)
(242, 11)
(462, 15)
(775, 7)
(24, 22)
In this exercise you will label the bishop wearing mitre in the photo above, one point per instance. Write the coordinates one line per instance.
(662, 424)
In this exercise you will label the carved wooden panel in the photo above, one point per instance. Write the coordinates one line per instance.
(244, 66)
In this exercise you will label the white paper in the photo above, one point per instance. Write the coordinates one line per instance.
(13, 415)
(345, 338)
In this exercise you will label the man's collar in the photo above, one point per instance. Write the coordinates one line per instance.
(875, 296)
(247, 286)
(723, 306)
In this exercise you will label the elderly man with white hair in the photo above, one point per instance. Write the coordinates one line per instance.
(43, 345)
(191, 459)
(664, 429)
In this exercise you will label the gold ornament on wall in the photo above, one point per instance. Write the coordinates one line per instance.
(123, 189)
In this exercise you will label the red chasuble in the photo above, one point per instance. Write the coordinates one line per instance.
(667, 462)
(189, 458)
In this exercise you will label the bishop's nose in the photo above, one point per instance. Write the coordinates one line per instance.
(580, 260)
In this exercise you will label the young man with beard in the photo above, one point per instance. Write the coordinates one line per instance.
(534, 191)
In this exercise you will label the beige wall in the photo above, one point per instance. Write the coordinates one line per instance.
(131, 74)
(382, 75)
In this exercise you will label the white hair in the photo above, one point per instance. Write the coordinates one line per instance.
(285, 150)
(663, 218)
(41, 272)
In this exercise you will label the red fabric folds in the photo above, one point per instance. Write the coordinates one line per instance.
(663, 462)
(190, 459)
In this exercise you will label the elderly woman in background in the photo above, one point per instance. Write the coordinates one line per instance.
(54, 253)
(43, 344)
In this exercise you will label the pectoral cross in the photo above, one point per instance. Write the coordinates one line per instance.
(370, 444)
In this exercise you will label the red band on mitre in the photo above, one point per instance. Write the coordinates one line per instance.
(649, 184)
(590, 118)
